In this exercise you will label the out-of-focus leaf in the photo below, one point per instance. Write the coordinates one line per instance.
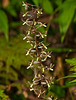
(58, 2)
(17, 4)
(4, 23)
(74, 81)
(67, 11)
(71, 61)
(59, 91)
(2, 95)
(72, 75)
(11, 10)
(74, 19)
(73, 68)
(68, 84)
(36, 2)
(65, 21)
(15, 24)
(47, 6)
(59, 50)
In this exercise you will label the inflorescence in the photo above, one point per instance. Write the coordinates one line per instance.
(35, 37)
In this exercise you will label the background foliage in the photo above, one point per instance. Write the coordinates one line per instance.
(13, 62)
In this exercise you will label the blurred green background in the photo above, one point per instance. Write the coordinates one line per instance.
(60, 17)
